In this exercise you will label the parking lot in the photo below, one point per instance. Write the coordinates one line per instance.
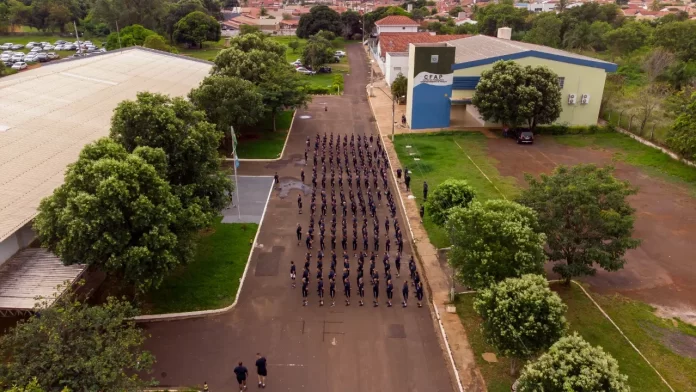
(20, 56)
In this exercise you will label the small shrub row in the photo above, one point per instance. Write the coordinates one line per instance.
(560, 129)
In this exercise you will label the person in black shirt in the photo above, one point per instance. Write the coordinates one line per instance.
(261, 370)
(361, 290)
(299, 234)
(425, 191)
(375, 291)
(404, 292)
(390, 292)
(241, 372)
(346, 290)
(292, 273)
(332, 290)
(304, 291)
(320, 291)
(275, 178)
(397, 263)
(299, 203)
(407, 181)
(419, 293)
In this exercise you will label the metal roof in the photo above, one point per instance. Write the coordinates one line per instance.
(31, 273)
(48, 114)
(483, 49)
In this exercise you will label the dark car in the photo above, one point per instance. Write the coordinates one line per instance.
(42, 57)
(324, 70)
(525, 136)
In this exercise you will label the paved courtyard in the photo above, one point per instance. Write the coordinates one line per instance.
(308, 348)
(253, 194)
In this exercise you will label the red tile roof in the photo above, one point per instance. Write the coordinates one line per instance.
(396, 20)
(398, 42)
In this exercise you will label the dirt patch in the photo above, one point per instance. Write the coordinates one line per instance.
(680, 343)
(662, 270)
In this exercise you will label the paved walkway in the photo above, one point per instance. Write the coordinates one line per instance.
(437, 278)
(308, 348)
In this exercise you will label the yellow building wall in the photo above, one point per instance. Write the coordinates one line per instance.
(578, 80)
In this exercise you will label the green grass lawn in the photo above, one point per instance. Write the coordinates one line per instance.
(652, 161)
(441, 158)
(587, 320)
(263, 142)
(211, 281)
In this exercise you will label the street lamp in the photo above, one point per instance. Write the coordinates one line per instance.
(393, 114)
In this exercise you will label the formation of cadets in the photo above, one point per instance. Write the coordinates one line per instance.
(357, 165)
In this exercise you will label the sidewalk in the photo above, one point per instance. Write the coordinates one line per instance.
(436, 279)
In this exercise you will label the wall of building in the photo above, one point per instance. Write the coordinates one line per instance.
(19, 240)
(394, 65)
(430, 85)
(577, 80)
(397, 29)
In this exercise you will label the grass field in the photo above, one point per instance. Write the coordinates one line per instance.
(211, 281)
(211, 49)
(441, 158)
(653, 161)
(587, 320)
(264, 143)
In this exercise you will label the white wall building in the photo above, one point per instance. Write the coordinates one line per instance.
(396, 24)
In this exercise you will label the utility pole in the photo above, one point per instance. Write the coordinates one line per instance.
(236, 164)
(118, 34)
(393, 119)
(77, 37)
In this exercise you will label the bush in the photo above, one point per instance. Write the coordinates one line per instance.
(337, 84)
(327, 35)
(318, 90)
(561, 129)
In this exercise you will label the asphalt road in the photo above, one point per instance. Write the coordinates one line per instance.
(308, 348)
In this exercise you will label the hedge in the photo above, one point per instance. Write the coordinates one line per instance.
(559, 129)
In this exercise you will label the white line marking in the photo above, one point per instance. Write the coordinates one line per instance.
(72, 75)
(286, 364)
(479, 169)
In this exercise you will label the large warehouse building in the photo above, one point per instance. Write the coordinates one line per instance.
(46, 116)
(443, 78)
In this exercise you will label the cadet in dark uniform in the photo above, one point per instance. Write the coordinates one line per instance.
(261, 370)
(320, 291)
(275, 178)
(425, 191)
(304, 291)
(361, 290)
(390, 292)
(375, 291)
(397, 264)
(332, 290)
(302, 172)
(419, 293)
(292, 273)
(404, 292)
(299, 203)
(299, 234)
(346, 290)
(241, 372)
(407, 180)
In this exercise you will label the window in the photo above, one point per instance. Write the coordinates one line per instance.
(561, 82)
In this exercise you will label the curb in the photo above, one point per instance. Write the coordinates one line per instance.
(436, 314)
(212, 312)
(282, 152)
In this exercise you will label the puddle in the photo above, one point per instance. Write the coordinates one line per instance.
(287, 185)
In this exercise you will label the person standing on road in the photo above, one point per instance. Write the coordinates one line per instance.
(375, 291)
(407, 180)
(299, 203)
(275, 179)
(292, 273)
(302, 172)
(304, 291)
(398, 174)
(332, 290)
(419, 293)
(261, 370)
(404, 292)
(346, 290)
(241, 372)
(320, 291)
(390, 292)
(361, 290)
(425, 191)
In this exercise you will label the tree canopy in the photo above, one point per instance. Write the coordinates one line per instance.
(175, 11)
(72, 346)
(188, 140)
(130, 36)
(514, 95)
(320, 17)
(116, 211)
(195, 28)
(546, 30)
(447, 195)
(587, 220)
(521, 316)
(494, 240)
(351, 22)
(494, 16)
(572, 364)
(682, 136)
(317, 52)
(399, 87)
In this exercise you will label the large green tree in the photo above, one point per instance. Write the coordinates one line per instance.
(257, 41)
(572, 364)
(546, 30)
(494, 240)
(628, 38)
(447, 195)
(514, 95)
(196, 28)
(399, 87)
(251, 66)
(175, 11)
(320, 17)
(128, 36)
(69, 345)
(123, 13)
(678, 38)
(117, 212)
(188, 140)
(521, 317)
(317, 52)
(228, 101)
(681, 138)
(494, 16)
(283, 88)
(587, 220)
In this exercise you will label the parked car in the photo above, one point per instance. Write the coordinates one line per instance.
(48, 47)
(60, 42)
(42, 57)
(305, 71)
(297, 63)
(58, 47)
(525, 136)
(69, 46)
(30, 58)
(6, 46)
(324, 70)
(6, 56)
(35, 49)
(52, 55)
(340, 53)
(31, 45)
(20, 65)
(17, 46)
(19, 56)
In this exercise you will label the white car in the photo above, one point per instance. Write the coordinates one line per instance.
(5, 57)
(69, 46)
(30, 58)
(305, 71)
(340, 53)
(31, 45)
(20, 65)
(6, 46)
(35, 49)
(18, 56)
(17, 46)
(58, 47)
(48, 47)
(53, 56)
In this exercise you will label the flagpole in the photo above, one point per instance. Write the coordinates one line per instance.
(236, 163)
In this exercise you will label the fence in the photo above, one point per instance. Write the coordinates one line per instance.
(632, 123)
